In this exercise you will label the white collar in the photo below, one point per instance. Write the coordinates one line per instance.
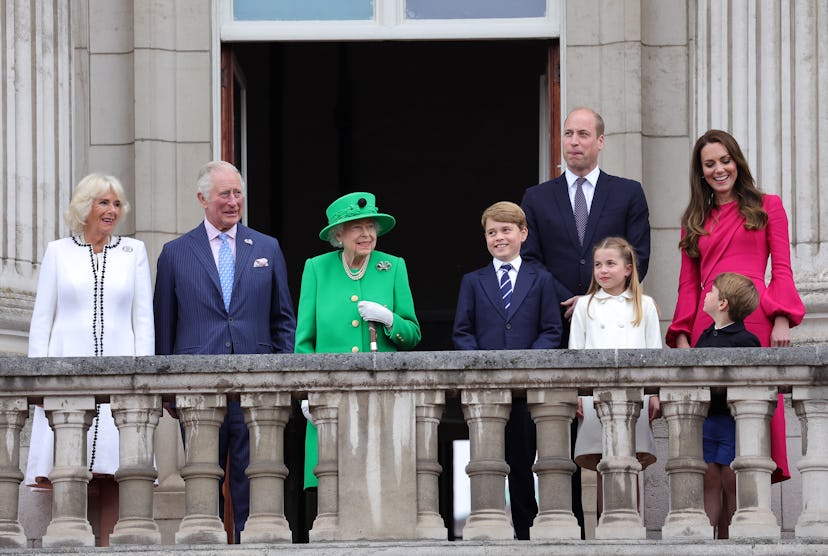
(514, 262)
(213, 232)
(601, 295)
(591, 178)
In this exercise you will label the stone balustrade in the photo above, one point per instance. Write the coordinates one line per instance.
(377, 417)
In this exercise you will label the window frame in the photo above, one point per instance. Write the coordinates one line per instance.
(390, 23)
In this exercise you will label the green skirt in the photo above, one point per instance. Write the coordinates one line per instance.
(311, 455)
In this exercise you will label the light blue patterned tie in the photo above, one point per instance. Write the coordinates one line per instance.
(506, 285)
(226, 270)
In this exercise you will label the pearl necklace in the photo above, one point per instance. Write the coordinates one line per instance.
(361, 271)
(97, 314)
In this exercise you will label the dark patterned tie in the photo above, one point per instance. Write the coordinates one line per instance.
(580, 208)
(506, 285)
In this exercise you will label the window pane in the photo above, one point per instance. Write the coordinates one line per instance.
(299, 10)
(473, 9)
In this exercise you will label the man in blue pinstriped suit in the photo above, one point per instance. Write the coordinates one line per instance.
(190, 309)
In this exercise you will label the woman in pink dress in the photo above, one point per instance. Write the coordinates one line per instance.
(731, 226)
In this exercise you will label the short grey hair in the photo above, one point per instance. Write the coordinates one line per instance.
(332, 233)
(204, 182)
(88, 189)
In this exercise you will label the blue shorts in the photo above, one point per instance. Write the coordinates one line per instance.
(719, 434)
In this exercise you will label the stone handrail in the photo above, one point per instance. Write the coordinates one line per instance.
(377, 417)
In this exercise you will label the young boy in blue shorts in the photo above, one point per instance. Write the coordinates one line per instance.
(732, 298)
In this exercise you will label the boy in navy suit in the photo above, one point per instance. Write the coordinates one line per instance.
(732, 298)
(510, 304)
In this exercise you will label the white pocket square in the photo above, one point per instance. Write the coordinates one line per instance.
(260, 262)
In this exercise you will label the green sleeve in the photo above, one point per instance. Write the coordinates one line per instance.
(405, 332)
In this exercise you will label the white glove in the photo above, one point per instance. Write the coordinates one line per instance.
(306, 411)
(369, 310)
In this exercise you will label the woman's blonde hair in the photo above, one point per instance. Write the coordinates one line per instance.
(88, 189)
(632, 283)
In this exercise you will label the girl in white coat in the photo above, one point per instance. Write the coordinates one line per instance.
(614, 314)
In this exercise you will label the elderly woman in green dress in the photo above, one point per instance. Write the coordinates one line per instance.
(350, 291)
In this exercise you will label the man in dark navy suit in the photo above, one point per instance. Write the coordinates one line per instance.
(222, 288)
(615, 207)
(571, 213)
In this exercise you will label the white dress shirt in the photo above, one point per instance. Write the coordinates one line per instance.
(588, 186)
(513, 274)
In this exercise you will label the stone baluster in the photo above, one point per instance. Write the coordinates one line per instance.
(811, 405)
(266, 415)
(752, 408)
(13, 413)
(136, 417)
(618, 409)
(201, 416)
(70, 418)
(325, 408)
(553, 411)
(486, 412)
(429, 410)
(685, 410)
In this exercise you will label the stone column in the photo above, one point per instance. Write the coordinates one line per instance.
(36, 122)
(168, 495)
(266, 415)
(201, 416)
(753, 407)
(325, 407)
(429, 410)
(136, 417)
(685, 410)
(811, 405)
(13, 413)
(70, 418)
(553, 411)
(618, 409)
(730, 90)
(486, 412)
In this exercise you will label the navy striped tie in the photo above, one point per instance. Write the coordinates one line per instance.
(506, 285)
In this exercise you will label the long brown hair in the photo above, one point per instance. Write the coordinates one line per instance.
(703, 201)
(632, 282)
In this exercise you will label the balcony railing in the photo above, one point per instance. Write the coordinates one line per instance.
(377, 417)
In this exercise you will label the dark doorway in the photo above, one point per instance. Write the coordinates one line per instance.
(437, 130)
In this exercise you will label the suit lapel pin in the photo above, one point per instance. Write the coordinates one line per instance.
(383, 265)
(248, 241)
(127, 248)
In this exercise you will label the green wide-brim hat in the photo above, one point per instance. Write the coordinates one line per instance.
(355, 206)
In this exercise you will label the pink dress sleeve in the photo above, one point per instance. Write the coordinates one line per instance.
(687, 304)
(781, 297)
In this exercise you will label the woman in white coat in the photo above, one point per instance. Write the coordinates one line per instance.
(94, 298)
